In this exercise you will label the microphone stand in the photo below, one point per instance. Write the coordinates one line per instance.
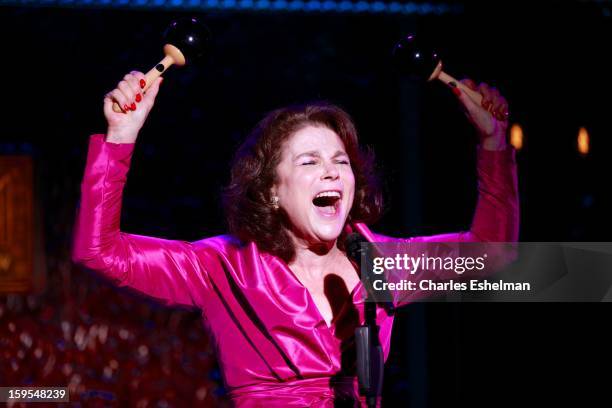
(370, 356)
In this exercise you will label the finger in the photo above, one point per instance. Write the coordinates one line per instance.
(149, 97)
(108, 104)
(133, 83)
(140, 83)
(500, 117)
(140, 77)
(486, 95)
(109, 101)
(126, 90)
(496, 99)
(503, 113)
(501, 105)
(117, 96)
(469, 83)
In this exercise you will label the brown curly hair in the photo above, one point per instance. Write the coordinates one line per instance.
(247, 198)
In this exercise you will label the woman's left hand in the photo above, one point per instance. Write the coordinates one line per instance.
(490, 117)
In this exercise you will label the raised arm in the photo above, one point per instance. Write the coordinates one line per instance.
(167, 270)
(496, 218)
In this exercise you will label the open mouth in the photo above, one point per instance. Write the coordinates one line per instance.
(327, 202)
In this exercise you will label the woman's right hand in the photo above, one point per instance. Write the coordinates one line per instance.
(123, 127)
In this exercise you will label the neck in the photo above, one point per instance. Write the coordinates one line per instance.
(315, 258)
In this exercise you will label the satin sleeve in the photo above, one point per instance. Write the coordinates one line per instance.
(496, 217)
(166, 270)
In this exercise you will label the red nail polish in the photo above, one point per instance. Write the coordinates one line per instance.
(126, 108)
(133, 106)
(142, 83)
(138, 98)
(457, 91)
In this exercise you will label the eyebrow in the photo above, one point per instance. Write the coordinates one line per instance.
(315, 153)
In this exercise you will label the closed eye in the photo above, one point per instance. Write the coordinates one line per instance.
(308, 163)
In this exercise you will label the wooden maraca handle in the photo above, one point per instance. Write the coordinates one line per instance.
(452, 82)
(173, 56)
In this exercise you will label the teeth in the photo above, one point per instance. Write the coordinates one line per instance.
(328, 194)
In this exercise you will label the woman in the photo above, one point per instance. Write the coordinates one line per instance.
(279, 295)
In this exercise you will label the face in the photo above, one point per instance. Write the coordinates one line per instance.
(315, 184)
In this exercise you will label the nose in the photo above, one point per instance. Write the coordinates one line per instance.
(330, 171)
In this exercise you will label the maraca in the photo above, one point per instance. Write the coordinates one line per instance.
(412, 56)
(186, 39)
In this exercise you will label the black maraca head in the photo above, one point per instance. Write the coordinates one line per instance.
(413, 56)
(190, 36)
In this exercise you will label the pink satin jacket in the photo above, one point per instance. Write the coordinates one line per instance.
(273, 345)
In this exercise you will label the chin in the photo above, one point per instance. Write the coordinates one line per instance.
(319, 228)
(327, 237)
(329, 232)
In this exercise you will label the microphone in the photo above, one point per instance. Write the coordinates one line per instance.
(353, 245)
(358, 254)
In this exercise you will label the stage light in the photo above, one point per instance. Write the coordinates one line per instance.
(309, 6)
(583, 142)
(516, 136)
